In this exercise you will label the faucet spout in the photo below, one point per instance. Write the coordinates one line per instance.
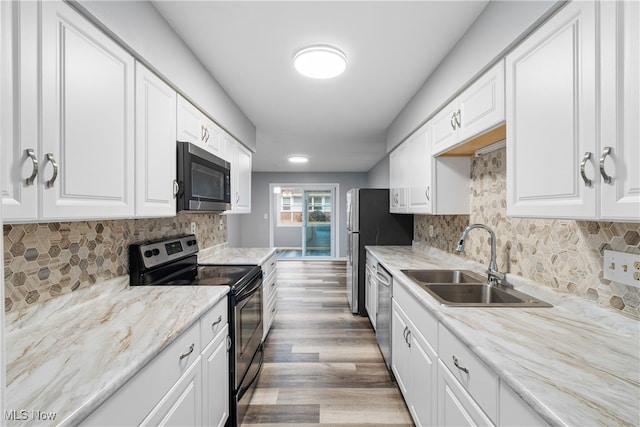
(494, 277)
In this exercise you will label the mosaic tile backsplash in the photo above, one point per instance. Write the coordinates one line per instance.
(42, 261)
(563, 254)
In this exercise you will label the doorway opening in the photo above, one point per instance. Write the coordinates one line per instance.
(303, 220)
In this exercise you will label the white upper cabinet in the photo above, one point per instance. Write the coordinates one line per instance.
(558, 165)
(83, 142)
(22, 156)
(551, 117)
(619, 111)
(241, 159)
(398, 179)
(155, 145)
(476, 110)
(195, 127)
(423, 184)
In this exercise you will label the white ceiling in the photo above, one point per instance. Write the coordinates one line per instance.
(340, 124)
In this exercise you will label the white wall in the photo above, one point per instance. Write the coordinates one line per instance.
(498, 28)
(141, 27)
(254, 229)
(378, 176)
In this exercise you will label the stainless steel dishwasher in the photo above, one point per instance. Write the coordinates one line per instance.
(383, 313)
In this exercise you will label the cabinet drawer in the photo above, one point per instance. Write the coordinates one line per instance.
(270, 285)
(425, 322)
(269, 265)
(476, 378)
(212, 322)
(133, 402)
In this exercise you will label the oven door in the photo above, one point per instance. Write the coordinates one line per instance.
(204, 180)
(248, 327)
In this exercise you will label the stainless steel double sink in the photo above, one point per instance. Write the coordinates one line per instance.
(463, 288)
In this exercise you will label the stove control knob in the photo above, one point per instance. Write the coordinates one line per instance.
(148, 254)
(191, 242)
(156, 251)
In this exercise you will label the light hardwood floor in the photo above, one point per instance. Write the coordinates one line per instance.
(322, 364)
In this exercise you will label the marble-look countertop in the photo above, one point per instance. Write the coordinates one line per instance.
(575, 364)
(222, 254)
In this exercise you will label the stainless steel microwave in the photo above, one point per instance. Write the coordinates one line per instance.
(204, 180)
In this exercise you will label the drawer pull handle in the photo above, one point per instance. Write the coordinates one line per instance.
(273, 310)
(462, 368)
(34, 161)
(55, 170)
(218, 320)
(273, 284)
(182, 356)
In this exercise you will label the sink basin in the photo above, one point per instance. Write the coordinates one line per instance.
(462, 288)
(444, 276)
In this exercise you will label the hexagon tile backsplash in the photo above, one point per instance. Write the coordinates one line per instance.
(563, 254)
(42, 261)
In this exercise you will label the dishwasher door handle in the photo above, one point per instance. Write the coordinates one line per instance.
(383, 279)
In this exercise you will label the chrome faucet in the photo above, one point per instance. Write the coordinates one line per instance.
(494, 277)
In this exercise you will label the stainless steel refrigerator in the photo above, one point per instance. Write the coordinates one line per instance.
(370, 223)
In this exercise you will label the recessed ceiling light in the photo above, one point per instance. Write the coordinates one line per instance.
(298, 159)
(320, 61)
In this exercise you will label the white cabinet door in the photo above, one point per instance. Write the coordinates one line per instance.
(398, 180)
(455, 407)
(190, 127)
(551, 117)
(620, 110)
(182, 405)
(241, 195)
(424, 377)
(19, 120)
(87, 119)
(482, 104)
(419, 164)
(445, 128)
(155, 145)
(400, 351)
(215, 373)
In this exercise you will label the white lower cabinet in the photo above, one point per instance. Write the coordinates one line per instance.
(182, 385)
(442, 381)
(269, 293)
(414, 364)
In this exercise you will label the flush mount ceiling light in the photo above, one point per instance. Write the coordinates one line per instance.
(298, 159)
(320, 61)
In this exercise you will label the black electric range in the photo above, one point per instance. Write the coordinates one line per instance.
(174, 262)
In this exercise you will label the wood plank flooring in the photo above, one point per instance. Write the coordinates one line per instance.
(322, 364)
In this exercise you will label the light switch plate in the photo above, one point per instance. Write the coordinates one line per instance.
(622, 267)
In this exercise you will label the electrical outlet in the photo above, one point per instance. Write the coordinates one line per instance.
(617, 267)
(193, 228)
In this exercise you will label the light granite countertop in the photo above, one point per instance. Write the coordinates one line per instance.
(575, 364)
(69, 354)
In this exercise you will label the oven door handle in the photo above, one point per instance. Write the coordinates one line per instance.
(242, 390)
(247, 293)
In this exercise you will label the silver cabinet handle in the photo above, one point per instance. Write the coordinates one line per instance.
(583, 163)
(228, 342)
(606, 178)
(34, 160)
(395, 198)
(409, 338)
(404, 334)
(55, 170)
(273, 310)
(205, 133)
(458, 116)
(426, 193)
(218, 320)
(183, 355)
(462, 368)
(453, 121)
(176, 188)
(237, 197)
(273, 285)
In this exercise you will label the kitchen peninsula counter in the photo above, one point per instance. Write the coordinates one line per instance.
(68, 355)
(574, 364)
